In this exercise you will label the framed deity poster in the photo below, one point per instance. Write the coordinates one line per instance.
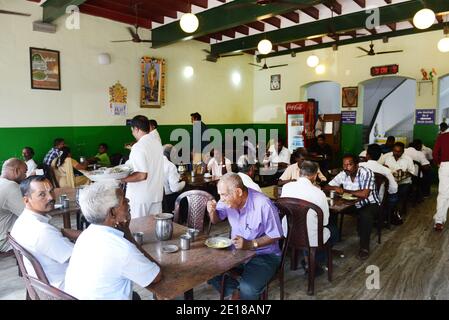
(45, 69)
(275, 82)
(350, 95)
(152, 84)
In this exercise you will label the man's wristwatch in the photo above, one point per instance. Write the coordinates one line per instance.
(255, 244)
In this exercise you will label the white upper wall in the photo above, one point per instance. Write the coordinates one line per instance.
(342, 66)
(84, 98)
(327, 94)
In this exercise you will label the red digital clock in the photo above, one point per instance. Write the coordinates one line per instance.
(383, 70)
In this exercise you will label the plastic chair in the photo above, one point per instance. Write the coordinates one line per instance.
(20, 253)
(197, 201)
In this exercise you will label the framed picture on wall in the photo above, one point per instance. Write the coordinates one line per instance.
(350, 96)
(275, 82)
(45, 69)
(152, 83)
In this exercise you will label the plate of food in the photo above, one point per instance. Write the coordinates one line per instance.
(115, 173)
(171, 248)
(218, 242)
(348, 196)
(207, 175)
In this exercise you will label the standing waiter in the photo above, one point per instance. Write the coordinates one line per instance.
(441, 157)
(146, 184)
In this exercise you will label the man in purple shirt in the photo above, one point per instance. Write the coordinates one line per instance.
(255, 225)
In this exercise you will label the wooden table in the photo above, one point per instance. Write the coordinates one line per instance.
(198, 181)
(184, 270)
(73, 207)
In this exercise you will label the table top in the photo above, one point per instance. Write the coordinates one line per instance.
(184, 270)
(199, 180)
(71, 195)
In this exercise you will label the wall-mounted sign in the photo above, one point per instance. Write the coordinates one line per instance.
(425, 116)
(383, 70)
(348, 117)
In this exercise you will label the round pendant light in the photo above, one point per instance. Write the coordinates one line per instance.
(189, 22)
(443, 45)
(320, 69)
(424, 18)
(264, 46)
(313, 61)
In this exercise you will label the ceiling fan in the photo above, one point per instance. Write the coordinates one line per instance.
(214, 58)
(134, 31)
(15, 13)
(371, 51)
(265, 66)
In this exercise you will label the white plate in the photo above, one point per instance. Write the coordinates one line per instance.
(207, 175)
(218, 242)
(58, 206)
(108, 173)
(170, 248)
(347, 196)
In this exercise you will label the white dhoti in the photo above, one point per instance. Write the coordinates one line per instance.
(443, 193)
(144, 209)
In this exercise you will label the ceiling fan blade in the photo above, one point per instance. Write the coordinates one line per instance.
(362, 56)
(231, 55)
(393, 51)
(278, 65)
(15, 13)
(363, 49)
(123, 41)
(207, 51)
(134, 35)
(256, 65)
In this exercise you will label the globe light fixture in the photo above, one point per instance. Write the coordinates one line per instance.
(313, 61)
(264, 46)
(189, 22)
(188, 72)
(320, 69)
(236, 78)
(424, 18)
(104, 59)
(443, 44)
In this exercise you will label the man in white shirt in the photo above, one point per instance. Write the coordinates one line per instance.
(172, 183)
(400, 165)
(28, 154)
(373, 154)
(106, 259)
(145, 186)
(153, 130)
(278, 154)
(32, 230)
(427, 174)
(11, 202)
(219, 165)
(292, 173)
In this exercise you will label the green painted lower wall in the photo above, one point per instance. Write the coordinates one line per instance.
(84, 140)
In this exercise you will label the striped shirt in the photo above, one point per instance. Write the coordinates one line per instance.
(364, 179)
(52, 154)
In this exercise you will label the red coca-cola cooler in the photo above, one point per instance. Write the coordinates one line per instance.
(300, 120)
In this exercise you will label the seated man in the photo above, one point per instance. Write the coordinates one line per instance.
(305, 189)
(172, 184)
(11, 201)
(32, 230)
(106, 259)
(219, 165)
(255, 225)
(246, 173)
(28, 154)
(153, 130)
(102, 157)
(278, 154)
(321, 148)
(359, 182)
(53, 153)
(373, 154)
(292, 171)
(400, 165)
(425, 162)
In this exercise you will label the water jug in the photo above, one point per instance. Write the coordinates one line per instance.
(164, 226)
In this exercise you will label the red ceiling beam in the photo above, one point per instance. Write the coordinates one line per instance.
(144, 8)
(335, 6)
(388, 1)
(176, 5)
(204, 39)
(318, 40)
(292, 16)
(361, 3)
(312, 11)
(114, 15)
(256, 25)
(229, 33)
(199, 3)
(287, 45)
(242, 29)
(392, 26)
(217, 36)
(300, 43)
(273, 21)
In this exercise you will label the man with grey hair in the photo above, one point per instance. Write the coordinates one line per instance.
(305, 189)
(255, 225)
(11, 202)
(106, 259)
(172, 183)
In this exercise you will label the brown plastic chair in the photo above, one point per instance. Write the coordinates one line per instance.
(197, 201)
(298, 239)
(20, 253)
(45, 291)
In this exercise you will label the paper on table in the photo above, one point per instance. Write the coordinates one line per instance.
(328, 126)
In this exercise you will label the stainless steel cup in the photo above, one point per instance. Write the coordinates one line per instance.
(185, 242)
(66, 203)
(138, 236)
(62, 197)
(332, 194)
(192, 233)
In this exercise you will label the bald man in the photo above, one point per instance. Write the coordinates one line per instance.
(11, 201)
